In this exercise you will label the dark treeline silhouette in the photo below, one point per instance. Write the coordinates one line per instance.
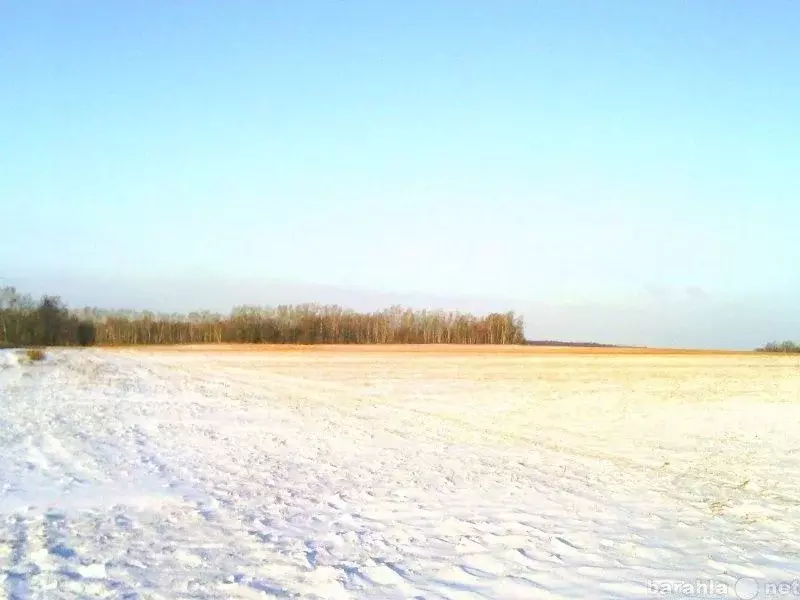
(24, 322)
(787, 347)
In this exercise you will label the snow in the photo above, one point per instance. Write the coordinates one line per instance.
(9, 359)
(139, 474)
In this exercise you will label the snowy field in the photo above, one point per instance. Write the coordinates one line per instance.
(345, 474)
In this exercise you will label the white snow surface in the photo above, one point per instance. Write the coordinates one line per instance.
(9, 359)
(133, 474)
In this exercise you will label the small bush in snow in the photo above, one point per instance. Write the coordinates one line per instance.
(35, 354)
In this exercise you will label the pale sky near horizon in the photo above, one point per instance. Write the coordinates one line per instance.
(619, 171)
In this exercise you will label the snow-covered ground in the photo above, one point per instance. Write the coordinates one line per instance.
(134, 474)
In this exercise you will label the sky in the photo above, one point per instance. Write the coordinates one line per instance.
(617, 171)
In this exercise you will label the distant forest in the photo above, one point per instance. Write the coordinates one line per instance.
(49, 322)
(787, 347)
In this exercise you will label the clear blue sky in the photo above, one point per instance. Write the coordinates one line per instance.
(596, 156)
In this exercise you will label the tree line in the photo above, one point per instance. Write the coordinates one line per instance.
(787, 347)
(48, 322)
